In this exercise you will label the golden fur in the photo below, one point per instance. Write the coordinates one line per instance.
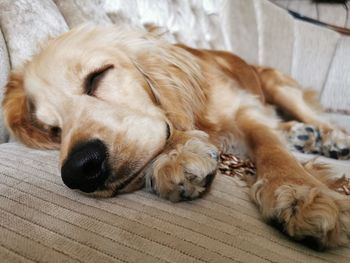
(208, 99)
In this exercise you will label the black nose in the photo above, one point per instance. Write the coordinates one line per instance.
(86, 166)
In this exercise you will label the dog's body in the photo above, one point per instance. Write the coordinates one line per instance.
(124, 106)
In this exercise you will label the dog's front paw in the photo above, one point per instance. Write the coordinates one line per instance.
(315, 215)
(184, 172)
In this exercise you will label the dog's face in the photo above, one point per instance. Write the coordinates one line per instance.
(86, 91)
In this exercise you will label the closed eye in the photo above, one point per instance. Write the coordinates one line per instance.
(92, 80)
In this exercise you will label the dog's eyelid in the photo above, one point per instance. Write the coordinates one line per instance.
(168, 131)
(55, 131)
(93, 78)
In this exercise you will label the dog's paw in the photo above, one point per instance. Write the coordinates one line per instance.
(336, 145)
(315, 215)
(307, 138)
(304, 138)
(184, 172)
(318, 216)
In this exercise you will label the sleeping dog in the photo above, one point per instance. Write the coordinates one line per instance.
(128, 109)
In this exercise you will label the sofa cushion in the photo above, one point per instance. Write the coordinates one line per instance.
(338, 98)
(42, 220)
(82, 11)
(28, 23)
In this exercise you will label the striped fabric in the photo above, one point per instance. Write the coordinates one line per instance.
(43, 221)
(258, 30)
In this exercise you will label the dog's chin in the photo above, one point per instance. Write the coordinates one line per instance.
(99, 193)
(111, 188)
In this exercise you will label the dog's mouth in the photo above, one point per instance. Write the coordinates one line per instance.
(132, 182)
(104, 182)
(114, 184)
(91, 168)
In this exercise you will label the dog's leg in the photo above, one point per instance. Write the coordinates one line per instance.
(286, 192)
(185, 168)
(286, 93)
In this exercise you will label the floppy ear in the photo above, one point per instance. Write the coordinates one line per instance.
(174, 82)
(19, 119)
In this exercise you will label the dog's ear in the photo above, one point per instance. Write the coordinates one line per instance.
(20, 120)
(174, 83)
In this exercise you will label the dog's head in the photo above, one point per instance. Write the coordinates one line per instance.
(91, 93)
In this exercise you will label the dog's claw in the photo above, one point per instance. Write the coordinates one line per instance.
(214, 155)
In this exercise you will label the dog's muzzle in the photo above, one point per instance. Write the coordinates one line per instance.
(86, 167)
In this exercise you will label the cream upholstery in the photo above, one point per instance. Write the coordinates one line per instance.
(43, 221)
(324, 11)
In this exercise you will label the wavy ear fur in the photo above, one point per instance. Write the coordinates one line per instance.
(19, 119)
(175, 82)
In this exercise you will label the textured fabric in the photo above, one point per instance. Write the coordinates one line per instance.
(276, 40)
(42, 220)
(339, 79)
(324, 12)
(26, 24)
(195, 23)
(320, 58)
(81, 11)
(307, 58)
(240, 23)
(340, 119)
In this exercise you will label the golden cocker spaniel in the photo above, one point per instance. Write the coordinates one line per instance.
(128, 109)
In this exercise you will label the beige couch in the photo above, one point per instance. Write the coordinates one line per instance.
(43, 221)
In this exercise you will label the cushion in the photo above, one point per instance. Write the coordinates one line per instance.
(333, 12)
(35, 21)
(79, 11)
(42, 220)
